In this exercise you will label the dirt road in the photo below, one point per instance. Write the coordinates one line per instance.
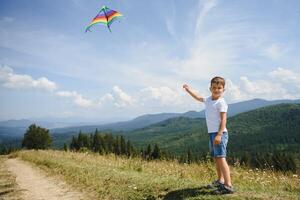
(37, 186)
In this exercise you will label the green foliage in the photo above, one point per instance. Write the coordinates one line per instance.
(65, 147)
(254, 137)
(264, 138)
(189, 156)
(4, 150)
(36, 138)
(129, 149)
(268, 137)
(101, 143)
(156, 152)
(107, 143)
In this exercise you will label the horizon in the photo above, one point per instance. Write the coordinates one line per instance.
(51, 68)
(84, 122)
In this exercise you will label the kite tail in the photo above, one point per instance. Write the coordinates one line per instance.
(109, 28)
(88, 28)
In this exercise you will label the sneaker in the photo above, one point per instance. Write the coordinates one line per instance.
(215, 184)
(223, 189)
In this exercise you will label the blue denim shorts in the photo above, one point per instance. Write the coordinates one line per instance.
(218, 150)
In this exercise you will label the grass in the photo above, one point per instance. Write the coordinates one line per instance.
(8, 187)
(111, 177)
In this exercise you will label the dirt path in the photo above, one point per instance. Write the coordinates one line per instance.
(37, 186)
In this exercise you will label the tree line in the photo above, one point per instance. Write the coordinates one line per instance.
(103, 143)
(276, 160)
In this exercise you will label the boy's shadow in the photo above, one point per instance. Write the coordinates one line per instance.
(187, 193)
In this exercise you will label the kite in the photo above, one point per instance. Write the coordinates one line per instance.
(106, 17)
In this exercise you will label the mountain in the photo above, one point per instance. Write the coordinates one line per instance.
(65, 134)
(136, 123)
(266, 129)
(243, 106)
(146, 120)
(16, 123)
(25, 123)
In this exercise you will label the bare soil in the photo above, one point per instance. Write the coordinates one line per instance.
(36, 185)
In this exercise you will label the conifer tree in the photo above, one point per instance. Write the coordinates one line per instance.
(74, 144)
(80, 140)
(148, 152)
(117, 149)
(97, 146)
(128, 149)
(189, 156)
(109, 141)
(122, 145)
(156, 152)
(65, 147)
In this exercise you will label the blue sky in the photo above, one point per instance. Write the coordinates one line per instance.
(51, 68)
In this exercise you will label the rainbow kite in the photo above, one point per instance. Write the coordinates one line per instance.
(106, 17)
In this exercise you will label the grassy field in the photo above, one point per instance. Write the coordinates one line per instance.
(111, 177)
(8, 187)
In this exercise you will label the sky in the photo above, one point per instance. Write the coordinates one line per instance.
(51, 69)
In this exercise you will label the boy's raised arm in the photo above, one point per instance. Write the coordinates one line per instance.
(193, 94)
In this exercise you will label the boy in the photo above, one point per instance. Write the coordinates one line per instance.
(215, 113)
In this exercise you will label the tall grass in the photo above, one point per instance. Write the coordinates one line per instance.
(112, 177)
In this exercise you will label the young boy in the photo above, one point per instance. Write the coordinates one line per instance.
(215, 113)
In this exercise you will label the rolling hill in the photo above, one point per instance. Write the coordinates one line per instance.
(175, 132)
(270, 128)
(146, 120)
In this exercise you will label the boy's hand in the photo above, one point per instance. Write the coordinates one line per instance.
(197, 97)
(217, 139)
(186, 87)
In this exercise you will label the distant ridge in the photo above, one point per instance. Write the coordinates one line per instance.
(148, 119)
(17, 128)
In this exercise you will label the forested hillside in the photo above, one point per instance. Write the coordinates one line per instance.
(270, 128)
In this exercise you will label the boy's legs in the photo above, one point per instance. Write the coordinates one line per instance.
(219, 171)
(222, 165)
(212, 152)
(223, 171)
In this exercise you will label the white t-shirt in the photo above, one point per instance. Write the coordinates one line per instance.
(212, 113)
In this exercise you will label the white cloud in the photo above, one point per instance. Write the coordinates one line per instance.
(108, 97)
(211, 55)
(66, 93)
(170, 20)
(118, 98)
(214, 49)
(286, 76)
(278, 84)
(204, 8)
(262, 88)
(248, 86)
(163, 96)
(121, 99)
(170, 26)
(233, 92)
(11, 80)
(272, 86)
(83, 102)
(77, 98)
